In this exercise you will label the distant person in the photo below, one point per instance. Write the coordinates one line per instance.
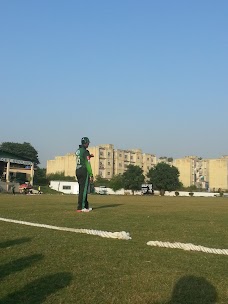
(13, 189)
(147, 190)
(39, 190)
(84, 174)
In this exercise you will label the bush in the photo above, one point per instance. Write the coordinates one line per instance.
(60, 176)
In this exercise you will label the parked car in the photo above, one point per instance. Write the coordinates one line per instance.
(25, 188)
(147, 189)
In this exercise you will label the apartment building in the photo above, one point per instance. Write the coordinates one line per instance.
(103, 160)
(106, 162)
(203, 173)
(193, 171)
(149, 161)
(218, 173)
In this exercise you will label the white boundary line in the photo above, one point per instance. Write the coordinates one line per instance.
(187, 247)
(114, 235)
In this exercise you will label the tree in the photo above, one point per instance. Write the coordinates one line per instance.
(192, 188)
(40, 177)
(25, 150)
(164, 177)
(116, 182)
(21, 178)
(100, 181)
(133, 178)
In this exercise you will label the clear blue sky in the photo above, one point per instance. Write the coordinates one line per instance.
(137, 74)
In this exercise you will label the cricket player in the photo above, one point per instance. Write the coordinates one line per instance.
(84, 174)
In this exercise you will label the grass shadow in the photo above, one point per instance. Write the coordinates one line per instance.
(108, 206)
(14, 242)
(37, 291)
(19, 265)
(192, 290)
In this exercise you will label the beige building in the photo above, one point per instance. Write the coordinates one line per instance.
(102, 162)
(218, 173)
(193, 171)
(149, 161)
(203, 173)
(62, 164)
(106, 162)
(186, 168)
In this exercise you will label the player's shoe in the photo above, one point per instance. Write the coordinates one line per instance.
(78, 210)
(85, 210)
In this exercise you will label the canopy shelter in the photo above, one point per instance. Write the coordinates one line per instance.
(13, 163)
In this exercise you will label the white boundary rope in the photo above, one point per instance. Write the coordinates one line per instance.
(187, 247)
(122, 235)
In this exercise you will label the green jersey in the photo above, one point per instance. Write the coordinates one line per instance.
(83, 160)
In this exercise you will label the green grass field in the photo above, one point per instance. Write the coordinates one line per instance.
(40, 265)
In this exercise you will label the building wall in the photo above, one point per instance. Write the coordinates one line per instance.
(118, 166)
(102, 162)
(149, 161)
(65, 164)
(124, 158)
(218, 173)
(186, 168)
(201, 173)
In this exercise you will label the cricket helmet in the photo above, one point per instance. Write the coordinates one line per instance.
(85, 140)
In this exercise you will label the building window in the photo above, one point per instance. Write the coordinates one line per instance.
(109, 154)
(120, 155)
(108, 173)
(120, 165)
(101, 153)
(125, 156)
(109, 163)
(66, 187)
